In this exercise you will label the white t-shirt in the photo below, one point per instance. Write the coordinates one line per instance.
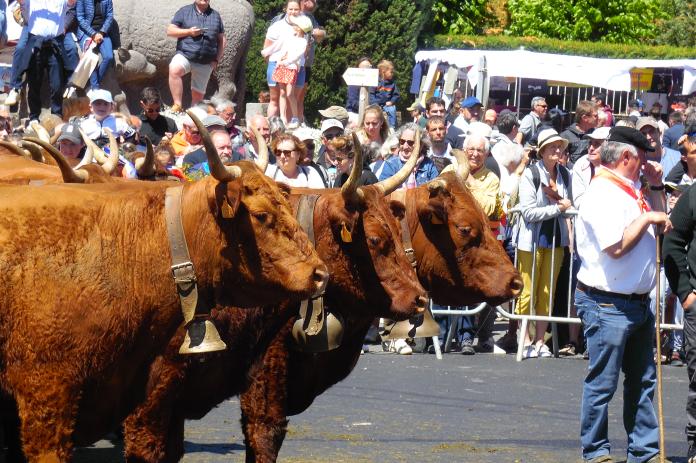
(307, 178)
(95, 129)
(605, 212)
(279, 30)
(46, 18)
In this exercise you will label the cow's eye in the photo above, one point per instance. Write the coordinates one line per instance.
(464, 231)
(261, 216)
(374, 241)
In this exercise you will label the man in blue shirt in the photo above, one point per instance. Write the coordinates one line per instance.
(200, 46)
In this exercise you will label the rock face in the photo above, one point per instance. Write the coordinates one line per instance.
(146, 49)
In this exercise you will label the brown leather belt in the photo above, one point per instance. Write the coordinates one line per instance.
(627, 297)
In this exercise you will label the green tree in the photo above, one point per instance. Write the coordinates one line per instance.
(461, 16)
(617, 21)
(678, 28)
(378, 29)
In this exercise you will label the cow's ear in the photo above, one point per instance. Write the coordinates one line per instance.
(434, 211)
(228, 195)
(284, 189)
(398, 209)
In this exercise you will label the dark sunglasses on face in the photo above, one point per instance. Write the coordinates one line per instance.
(283, 152)
(408, 142)
(151, 110)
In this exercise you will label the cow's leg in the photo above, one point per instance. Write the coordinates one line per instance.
(264, 417)
(147, 428)
(47, 410)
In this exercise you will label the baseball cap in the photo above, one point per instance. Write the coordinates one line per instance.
(645, 121)
(334, 112)
(304, 133)
(470, 102)
(600, 133)
(213, 119)
(630, 136)
(415, 106)
(100, 94)
(71, 133)
(303, 22)
(331, 123)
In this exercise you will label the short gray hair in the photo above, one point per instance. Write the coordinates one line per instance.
(612, 151)
(223, 104)
(509, 154)
(424, 140)
(537, 99)
(475, 138)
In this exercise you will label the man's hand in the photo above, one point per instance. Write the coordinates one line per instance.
(98, 38)
(564, 204)
(661, 220)
(690, 299)
(195, 31)
(653, 173)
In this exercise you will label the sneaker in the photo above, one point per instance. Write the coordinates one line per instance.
(568, 350)
(544, 352)
(676, 360)
(530, 352)
(176, 108)
(600, 459)
(365, 349)
(294, 123)
(12, 97)
(691, 454)
(508, 342)
(468, 346)
(401, 347)
(69, 92)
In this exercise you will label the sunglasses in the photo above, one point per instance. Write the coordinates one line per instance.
(542, 106)
(408, 142)
(331, 136)
(283, 152)
(151, 110)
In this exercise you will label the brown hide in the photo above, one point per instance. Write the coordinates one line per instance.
(89, 300)
(16, 170)
(460, 262)
(370, 276)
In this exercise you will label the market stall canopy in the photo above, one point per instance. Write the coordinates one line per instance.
(612, 74)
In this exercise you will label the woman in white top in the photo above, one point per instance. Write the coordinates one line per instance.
(288, 150)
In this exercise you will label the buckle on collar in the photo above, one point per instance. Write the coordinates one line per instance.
(183, 273)
(411, 256)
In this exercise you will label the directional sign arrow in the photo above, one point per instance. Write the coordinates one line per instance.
(361, 77)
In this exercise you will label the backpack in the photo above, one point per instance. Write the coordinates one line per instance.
(565, 175)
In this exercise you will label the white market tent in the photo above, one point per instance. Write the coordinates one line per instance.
(612, 74)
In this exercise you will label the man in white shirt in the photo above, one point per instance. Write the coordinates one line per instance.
(616, 244)
(46, 26)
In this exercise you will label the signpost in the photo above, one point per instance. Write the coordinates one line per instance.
(363, 78)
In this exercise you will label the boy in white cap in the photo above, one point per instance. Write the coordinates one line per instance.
(101, 103)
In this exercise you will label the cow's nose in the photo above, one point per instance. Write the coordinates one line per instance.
(421, 304)
(320, 277)
(516, 285)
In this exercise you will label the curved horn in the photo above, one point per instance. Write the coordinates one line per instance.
(349, 190)
(34, 152)
(112, 161)
(145, 167)
(41, 131)
(396, 180)
(14, 149)
(462, 164)
(70, 175)
(96, 151)
(217, 168)
(262, 158)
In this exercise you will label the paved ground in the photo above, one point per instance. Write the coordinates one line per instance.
(486, 408)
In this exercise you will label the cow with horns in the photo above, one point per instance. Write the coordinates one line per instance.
(94, 288)
(357, 235)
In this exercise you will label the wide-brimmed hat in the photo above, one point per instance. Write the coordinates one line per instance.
(334, 112)
(548, 136)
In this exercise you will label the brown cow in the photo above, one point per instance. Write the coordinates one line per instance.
(458, 260)
(369, 275)
(88, 296)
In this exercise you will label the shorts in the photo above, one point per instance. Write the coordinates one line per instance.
(200, 73)
(299, 83)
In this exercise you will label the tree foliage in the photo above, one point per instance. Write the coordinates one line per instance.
(617, 21)
(378, 29)
(679, 26)
(461, 16)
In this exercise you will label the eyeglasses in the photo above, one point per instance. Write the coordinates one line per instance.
(408, 142)
(542, 106)
(283, 152)
(331, 136)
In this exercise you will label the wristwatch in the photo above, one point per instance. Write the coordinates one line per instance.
(657, 187)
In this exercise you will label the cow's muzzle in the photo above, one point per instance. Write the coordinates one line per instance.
(320, 278)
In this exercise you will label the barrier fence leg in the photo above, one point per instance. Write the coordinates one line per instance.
(554, 338)
(436, 344)
(454, 320)
(520, 339)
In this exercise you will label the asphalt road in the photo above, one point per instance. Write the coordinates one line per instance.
(486, 408)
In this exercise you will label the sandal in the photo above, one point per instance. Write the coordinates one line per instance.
(568, 350)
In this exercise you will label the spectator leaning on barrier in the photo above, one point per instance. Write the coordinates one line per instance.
(585, 122)
(680, 267)
(200, 46)
(544, 196)
(616, 245)
(530, 122)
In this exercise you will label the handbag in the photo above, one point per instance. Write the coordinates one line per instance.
(284, 75)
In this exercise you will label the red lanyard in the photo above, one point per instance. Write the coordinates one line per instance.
(629, 189)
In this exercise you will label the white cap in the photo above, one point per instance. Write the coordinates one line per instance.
(330, 123)
(100, 94)
(304, 133)
(600, 133)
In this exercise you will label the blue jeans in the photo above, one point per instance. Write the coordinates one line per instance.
(21, 47)
(391, 115)
(107, 53)
(620, 336)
